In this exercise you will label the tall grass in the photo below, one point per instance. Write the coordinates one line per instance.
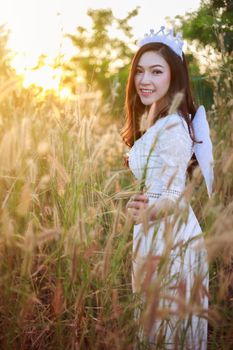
(66, 241)
(64, 279)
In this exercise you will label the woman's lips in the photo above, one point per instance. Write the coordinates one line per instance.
(146, 92)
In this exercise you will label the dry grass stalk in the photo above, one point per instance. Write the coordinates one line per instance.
(176, 102)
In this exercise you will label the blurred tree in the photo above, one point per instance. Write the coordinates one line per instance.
(201, 87)
(8, 77)
(6, 71)
(102, 58)
(211, 24)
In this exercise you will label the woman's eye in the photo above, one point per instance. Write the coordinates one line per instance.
(157, 72)
(138, 71)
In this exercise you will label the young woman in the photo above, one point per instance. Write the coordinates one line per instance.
(170, 269)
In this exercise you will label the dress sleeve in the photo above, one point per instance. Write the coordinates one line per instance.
(175, 151)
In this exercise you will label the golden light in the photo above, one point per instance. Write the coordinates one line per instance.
(36, 73)
(38, 27)
(64, 93)
(45, 77)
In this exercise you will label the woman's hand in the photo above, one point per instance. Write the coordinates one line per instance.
(137, 206)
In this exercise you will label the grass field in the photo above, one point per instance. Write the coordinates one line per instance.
(66, 241)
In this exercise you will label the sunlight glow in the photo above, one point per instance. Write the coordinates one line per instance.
(39, 27)
(45, 77)
(64, 93)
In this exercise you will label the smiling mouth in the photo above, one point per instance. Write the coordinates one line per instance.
(146, 92)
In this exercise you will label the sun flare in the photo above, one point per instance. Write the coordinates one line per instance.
(38, 28)
(45, 77)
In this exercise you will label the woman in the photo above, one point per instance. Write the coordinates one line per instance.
(170, 269)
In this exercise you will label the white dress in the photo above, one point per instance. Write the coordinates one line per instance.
(170, 268)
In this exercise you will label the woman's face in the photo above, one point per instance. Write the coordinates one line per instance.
(152, 77)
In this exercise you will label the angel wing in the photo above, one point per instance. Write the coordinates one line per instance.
(204, 150)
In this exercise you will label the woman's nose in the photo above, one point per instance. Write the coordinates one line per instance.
(145, 78)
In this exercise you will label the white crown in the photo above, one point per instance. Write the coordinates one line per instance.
(175, 43)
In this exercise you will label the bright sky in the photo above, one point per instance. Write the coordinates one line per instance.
(37, 26)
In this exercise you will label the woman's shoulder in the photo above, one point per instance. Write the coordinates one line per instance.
(168, 119)
(172, 120)
(174, 128)
(171, 126)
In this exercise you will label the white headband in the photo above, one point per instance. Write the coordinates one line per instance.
(204, 150)
(174, 42)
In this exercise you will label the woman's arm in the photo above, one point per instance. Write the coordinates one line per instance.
(139, 208)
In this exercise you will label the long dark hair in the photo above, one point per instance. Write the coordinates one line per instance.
(134, 108)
